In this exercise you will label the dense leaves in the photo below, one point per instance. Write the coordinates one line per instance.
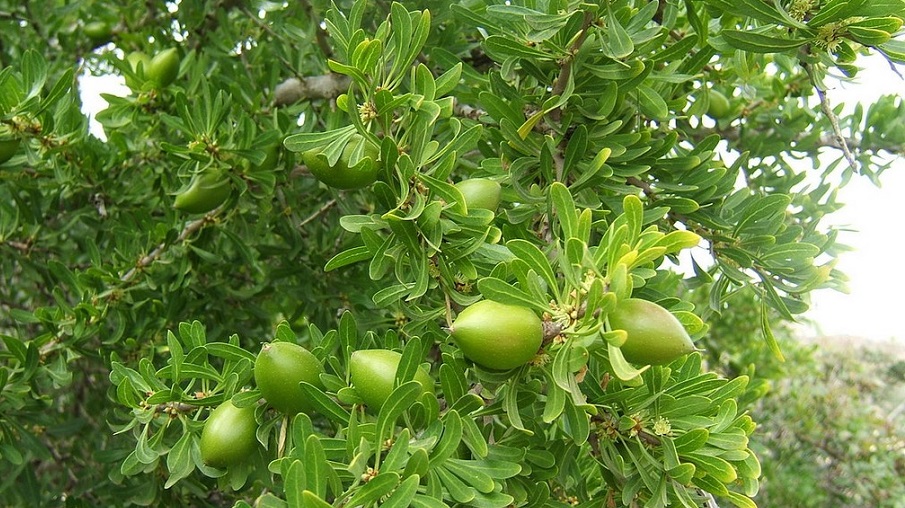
(126, 320)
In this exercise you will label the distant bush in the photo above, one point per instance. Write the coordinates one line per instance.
(827, 435)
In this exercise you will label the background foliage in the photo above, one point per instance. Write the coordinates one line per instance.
(124, 320)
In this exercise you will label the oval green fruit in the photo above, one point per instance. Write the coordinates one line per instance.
(138, 62)
(207, 191)
(654, 335)
(228, 436)
(498, 336)
(480, 193)
(279, 368)
(271, 157)
(342, 175)
(164, 67)
(99, 32)
(373, 372)
(718, 106)
(8, 148)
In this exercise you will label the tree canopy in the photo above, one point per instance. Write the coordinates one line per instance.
(357, 176)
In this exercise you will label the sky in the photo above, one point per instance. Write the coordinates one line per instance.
(871, 308)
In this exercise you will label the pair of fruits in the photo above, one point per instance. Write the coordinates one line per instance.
(160, 70)
(229, 434)
(502, 337)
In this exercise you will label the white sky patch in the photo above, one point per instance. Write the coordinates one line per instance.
(872, 309)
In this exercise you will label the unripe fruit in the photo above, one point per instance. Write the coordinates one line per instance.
(271, 157)
(138, 62)
(8, 148)
(498, 336)
(718, 107)
(655, 336)
(480, 193)
(373, 372)
(99, 32)
(341, 175)
(279, 368)
(163, 68)
(228, 436)
(207, 191)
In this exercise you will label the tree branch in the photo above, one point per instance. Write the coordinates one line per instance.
(189, 230)
(327, 86)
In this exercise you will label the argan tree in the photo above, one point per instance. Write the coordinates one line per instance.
(411, 254)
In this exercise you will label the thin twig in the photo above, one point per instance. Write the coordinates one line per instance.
(328, 205)
(834, 120)
(144, 262)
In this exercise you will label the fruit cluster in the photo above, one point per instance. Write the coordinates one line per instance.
(496, 336)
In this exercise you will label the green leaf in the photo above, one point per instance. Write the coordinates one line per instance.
(623, 370)
(376, 488)
(404, 493)
(447, 192)
(740, 500)
(481, 481)
(691, 441)
(312, 500)
(449, 441)
(537, 260)
(760, 10)
(563, 204)
(618, 43)
(510, 406)
(179, 459)
(772, 343)
(503, 292)
(295, 480)
(348, 257)
(500, 47)
(229, 352)
(720, 469)
(325, 405)
(402, 398)
(868, 36)
(456, 488)
(305, 141)
(760, 43)
(316, 466)
(447, 81)
(651, 103)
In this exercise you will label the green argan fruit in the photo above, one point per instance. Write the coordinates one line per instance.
(341, 175)
(271, 157)
(8, 148)
(718, 107)
(138, 62)
(498, 336)
(163, 68)
(373, 372)
(207, 191)
(480, 193)
(655, 336)
(99, 32)
(279, 368)
(228, 436)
